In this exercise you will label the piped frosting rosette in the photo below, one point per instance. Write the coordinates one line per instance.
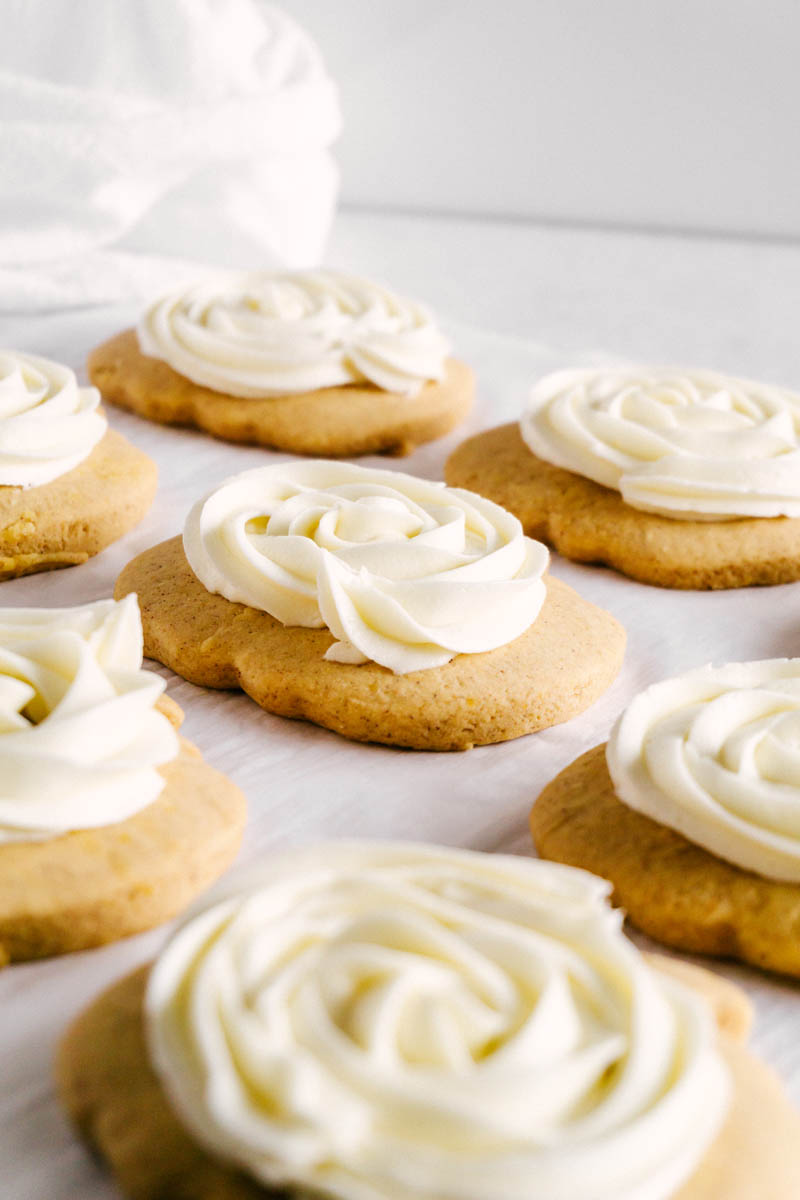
(686, 444)
(715, 755)
(391, 1021)
(80, 740)
(278, 333)
(48, 425)
(404, 572)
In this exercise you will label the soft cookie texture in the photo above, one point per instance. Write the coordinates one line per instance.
(66, 521)
(335, 421)
(94, 886)
(674, 890)
(587, 522)
(556, 669)
(115, 1099)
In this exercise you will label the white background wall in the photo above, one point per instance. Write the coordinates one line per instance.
(668, 113)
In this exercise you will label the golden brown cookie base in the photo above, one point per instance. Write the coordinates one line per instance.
(556, 669)
(677, 892)
(97, 885)
(64, 522)
(331, 422)
(587, 522)
(111, 1093)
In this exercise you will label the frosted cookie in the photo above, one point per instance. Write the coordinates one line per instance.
(684, 479)
(313, 362)
(384, 607)
(68, 485)
(109, 823)
(692, 811)
(407, 1022)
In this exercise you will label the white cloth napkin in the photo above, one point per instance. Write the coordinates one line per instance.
(141, 137)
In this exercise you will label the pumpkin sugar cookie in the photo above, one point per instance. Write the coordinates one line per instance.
(535, 1053)
(385, 607)
(692, 811)
(109, 822)
(683, 479)
(310, 362)
(69, 486)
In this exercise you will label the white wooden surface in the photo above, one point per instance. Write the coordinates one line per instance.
(550, 296)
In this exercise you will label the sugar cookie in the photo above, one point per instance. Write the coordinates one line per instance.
(310, 362)
(69, 486)
(679, 479)
(109, 823)
(519, 995)
(692, 813)
(441, 631)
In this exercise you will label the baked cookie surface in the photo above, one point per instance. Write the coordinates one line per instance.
(588, 522)
(64, 522)
(556, 669)
(675, 891)
(332, 421)
(93, 886)
(113, 1096)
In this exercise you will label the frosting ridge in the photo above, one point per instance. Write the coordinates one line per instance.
(390, 1021)
(80, 739)
(48, 425)
(687, 444)
(404, 572)
(278, 333)
(715, 754)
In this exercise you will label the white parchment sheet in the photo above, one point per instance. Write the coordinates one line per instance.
(304, 784)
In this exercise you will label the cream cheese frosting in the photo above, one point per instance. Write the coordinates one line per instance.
(389, 1021)
(283, 333)
(80, 739)
(715, 755)
(687, 444)
(404, 572)
(48, 425)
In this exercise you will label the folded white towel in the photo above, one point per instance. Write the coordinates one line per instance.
(139, 133)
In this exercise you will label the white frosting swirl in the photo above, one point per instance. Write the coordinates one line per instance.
(80, 740)
(715, 754)
(48, 424)
(686, 444)
(281, 333)
(391, 1021)
(404, 572)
